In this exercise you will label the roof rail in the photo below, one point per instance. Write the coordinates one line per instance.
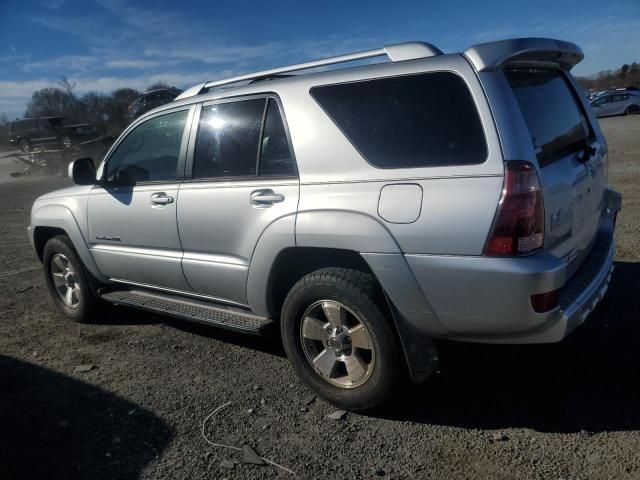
(397, 52)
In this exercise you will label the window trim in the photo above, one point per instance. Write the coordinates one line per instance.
(189, 164)
(412, 74)
(181, 155)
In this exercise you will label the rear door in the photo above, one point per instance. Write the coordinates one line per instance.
(572, 159)
(619, 103)
(240, 179)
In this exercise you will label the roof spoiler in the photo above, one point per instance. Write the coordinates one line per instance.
(524, 51)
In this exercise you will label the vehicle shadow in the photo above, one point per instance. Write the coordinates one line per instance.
(55, 426)
(588, 382)
(269, 343)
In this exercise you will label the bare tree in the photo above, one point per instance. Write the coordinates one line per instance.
(158, 86)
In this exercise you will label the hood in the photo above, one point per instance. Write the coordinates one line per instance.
(72, 191)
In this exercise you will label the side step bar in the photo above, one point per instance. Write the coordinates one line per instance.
(187, 309)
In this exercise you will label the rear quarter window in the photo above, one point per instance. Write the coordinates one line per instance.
(423, 120)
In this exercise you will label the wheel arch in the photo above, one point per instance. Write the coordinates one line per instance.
(51, 220)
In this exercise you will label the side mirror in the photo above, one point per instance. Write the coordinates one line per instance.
(83, 171)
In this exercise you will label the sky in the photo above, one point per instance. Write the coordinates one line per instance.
(102, 45)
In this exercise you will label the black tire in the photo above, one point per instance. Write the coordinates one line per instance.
(66, 142)
(359, 292)
(633, 110)
(88, 304)
(25, 146)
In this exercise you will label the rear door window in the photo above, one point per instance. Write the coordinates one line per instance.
(423, 120)
(275, 155)
(557, 125)
(228, 139)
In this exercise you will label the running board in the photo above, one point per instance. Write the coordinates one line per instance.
(189, 309)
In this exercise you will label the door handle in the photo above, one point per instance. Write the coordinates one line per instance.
(161, 198)
(265, 198)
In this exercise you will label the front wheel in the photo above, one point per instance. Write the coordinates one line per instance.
(25, 145)
(67, 280)
(339, 340)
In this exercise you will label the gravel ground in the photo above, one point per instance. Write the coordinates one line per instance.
(570, 410)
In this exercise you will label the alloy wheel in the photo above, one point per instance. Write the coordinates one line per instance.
(65, 281)
(337, 344)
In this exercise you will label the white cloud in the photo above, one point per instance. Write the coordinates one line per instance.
(63, 64)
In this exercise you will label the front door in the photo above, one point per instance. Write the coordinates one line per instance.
(602, 106)
(243, 179)
(133, 234)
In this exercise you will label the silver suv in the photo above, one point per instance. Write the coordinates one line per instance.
(365, 211)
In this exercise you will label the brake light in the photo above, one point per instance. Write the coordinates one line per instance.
(518, 227)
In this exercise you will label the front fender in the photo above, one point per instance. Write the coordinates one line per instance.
(60, 216)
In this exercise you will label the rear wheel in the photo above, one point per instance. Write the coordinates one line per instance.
(68, 281)
(633, 110)
(339, 340)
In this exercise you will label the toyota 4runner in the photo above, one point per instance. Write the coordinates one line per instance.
(365, 211)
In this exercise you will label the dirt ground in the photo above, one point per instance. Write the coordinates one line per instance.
(569, 410)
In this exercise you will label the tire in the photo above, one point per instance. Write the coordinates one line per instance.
(632, 110)
(354, 378)
(66, 142)
(25, 145)
(59, 257)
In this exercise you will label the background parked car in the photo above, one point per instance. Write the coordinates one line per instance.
(56, 132)
(151, 100)
(626, 102)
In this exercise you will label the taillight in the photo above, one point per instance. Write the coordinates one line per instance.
(518, 227)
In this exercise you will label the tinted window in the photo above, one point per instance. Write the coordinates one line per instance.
(411, 121)
(150, 152)
(22, 125)
(601, 101)
(228, 139)
(556, 123)
(275, 154)
(59, 121)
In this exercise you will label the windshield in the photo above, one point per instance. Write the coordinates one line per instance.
(556, 123)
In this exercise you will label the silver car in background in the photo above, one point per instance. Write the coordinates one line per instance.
(366, 212)
(617, 103)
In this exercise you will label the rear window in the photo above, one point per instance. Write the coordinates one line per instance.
(424, 120)
(555, 121)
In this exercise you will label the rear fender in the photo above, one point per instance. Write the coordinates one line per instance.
(414, 320)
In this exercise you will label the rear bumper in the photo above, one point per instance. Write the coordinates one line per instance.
(483, 299)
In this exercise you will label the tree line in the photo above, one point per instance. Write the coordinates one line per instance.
(628, 75)
(107, 112)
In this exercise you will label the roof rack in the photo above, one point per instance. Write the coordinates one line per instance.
(397, 52)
